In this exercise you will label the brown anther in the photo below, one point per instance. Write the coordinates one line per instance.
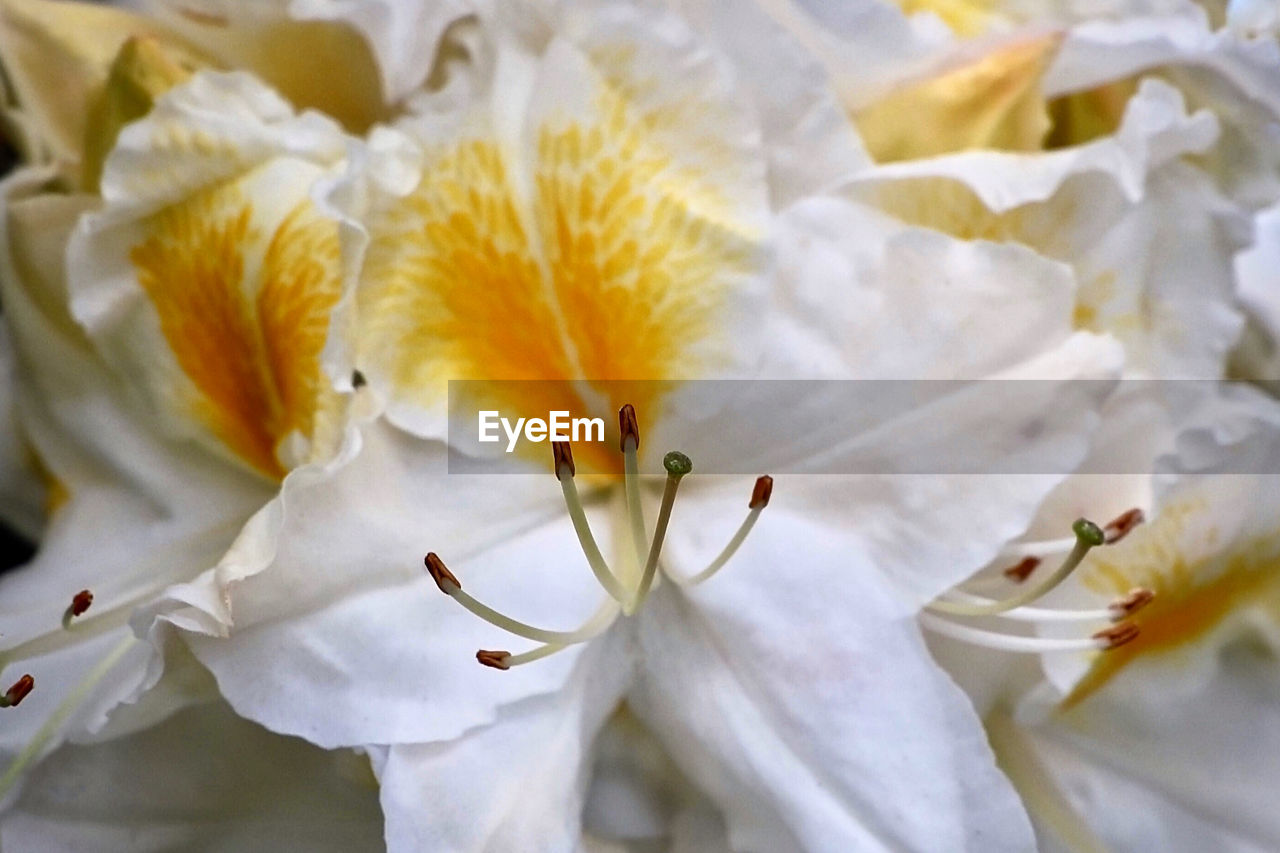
(440, 572)
(761, 493)
(495, 659)
(1122, 525)
(1117, 635)
(80, 602)
(15, 694)
(1133, 602)
(1023, 569)
(563, 455)
(628, 427)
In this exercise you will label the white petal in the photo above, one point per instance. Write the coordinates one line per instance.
(340, 636)
(810, 142)
(1147, 770)
(614, 142)
(515, 781)
(203, 780)
(795, 688)
(1258, 286)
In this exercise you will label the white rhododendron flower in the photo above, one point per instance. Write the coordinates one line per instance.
(167, 332)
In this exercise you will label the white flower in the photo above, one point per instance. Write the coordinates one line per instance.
(1159, 742)
(603, 210)
(167, 337)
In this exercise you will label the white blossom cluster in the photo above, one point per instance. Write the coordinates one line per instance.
(247, 244)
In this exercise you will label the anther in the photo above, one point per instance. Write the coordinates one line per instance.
(440, 573)
(1122, 525)
(1022, 570)
(759, 500)
(628, 427)
(761, 493)
(80, 603)
(1133, 602)
(495, 659)
(15, 694)
(563, 456)
(1117, 635)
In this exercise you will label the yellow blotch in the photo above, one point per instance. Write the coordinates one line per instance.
(994, 102)
(1193, 597)
(610, 269)
(253, 361)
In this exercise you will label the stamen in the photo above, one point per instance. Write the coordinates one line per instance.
(1021, 571)
(1101, 641)
(759, 500)
(595, 625)
(677, 465)
(15, 694)
(630, 444)
(72, 632)
(1088, 536)
(80, 603)
(565, 469)
(506, 660)
(1122, 525)
(35, 747)
(1116, 611)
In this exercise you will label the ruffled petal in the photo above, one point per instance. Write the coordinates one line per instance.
(795, 689)
(338, 635)
(519, 778)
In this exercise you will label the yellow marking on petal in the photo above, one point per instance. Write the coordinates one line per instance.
(994, 102)
(964, 17)
(254, 362)
(1194, 596)
(611, 269)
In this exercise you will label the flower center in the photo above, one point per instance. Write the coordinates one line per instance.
(1016, 607)
(621, 599)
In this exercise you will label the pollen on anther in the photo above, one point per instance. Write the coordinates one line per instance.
(1023, 569)
(495, 659)
(762, 492)
(80, 602)
(440, 572)
(562, 454)
(1117, 635)
(1122, 525)
(628, 427)
(15, 694)
(1133, 602)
